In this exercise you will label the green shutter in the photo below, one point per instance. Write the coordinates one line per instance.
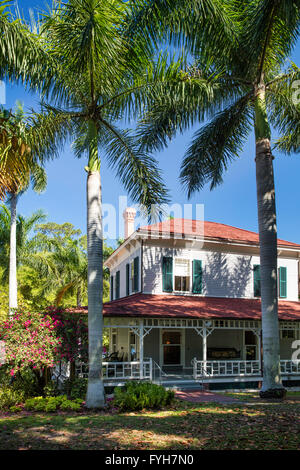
(167, 271)
(197, 276)
(282, 282)
(117, 284)
(136, 274)
(127, 278)
(256, 280)
(111, 287)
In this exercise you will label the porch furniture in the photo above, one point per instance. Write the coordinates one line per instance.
(223, 353)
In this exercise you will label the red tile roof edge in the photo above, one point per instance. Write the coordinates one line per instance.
(193, 307)
(159, 227)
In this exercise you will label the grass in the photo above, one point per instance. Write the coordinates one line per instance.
(250, 396)
(185, 426)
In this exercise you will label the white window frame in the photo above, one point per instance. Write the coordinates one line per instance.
(174, 275)
(182, 346)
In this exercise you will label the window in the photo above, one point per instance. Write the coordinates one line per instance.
(117, 295)
(171, 341)
(197, 276)
(182, 275)
(167, 274)
(134, 275)
(256, 280)
(114, 340)
(250, 346)
(111, 287)
(127, 279)
(132, 346)
(282, 282)
(288, 334)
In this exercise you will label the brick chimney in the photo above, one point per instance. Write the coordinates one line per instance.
(129, 215)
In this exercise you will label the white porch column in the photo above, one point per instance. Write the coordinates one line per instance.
(259, 352)
(141, 335)
(204, 348)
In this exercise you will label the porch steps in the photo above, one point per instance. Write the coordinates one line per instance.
(182, 386)
(179, 382)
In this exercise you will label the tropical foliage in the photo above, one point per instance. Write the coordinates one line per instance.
(246, 87)
(100, 76)
(30, 341)
(24, 241)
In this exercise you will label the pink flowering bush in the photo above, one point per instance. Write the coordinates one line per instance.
(31, 340)
(72, 329)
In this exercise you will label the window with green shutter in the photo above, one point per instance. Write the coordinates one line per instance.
(282, 282)
(111, 287)
(127, 278)
(117, 284)
(256, 280)
(197, 276)
(167, 274)
(136, 274)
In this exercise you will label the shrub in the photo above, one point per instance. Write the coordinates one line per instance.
(142, 395)
(15, 409)
(51, 404)
(75, 388)
(25, 381)
(51, 389)
(10, 397)
(30, 341)
(70, 405)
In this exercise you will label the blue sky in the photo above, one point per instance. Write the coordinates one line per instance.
(233, 203)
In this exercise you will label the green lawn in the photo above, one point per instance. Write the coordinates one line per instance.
(250, 396)
(185, 426)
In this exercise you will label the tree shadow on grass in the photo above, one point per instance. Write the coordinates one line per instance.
(192, 426)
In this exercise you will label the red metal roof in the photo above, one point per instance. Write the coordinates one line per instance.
(181, 306)
(206, 229)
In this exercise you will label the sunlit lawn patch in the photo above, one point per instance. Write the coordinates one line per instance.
(185, 426)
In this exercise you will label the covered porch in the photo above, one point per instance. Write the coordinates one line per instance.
(196, 350)
(166, 338)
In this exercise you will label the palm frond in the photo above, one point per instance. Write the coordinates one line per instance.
(197, 96)
(215, 146)
(137, 171)
(283, 99)
(182, 24)
(270, 31)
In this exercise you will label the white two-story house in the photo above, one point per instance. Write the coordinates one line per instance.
(185, 300)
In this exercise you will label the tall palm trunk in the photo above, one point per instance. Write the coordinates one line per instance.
(95, 392)
(268, 247)
(13, 286)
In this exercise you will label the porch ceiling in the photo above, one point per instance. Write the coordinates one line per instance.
(182, 306)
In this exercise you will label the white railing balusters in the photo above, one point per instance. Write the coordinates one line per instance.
(229, 368)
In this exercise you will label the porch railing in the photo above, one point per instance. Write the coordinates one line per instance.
(224, 368)
(121, 370)
(290, 367)
(203, 369)
(127, 370)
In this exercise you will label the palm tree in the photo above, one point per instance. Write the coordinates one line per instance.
(62, 263)
(240, 50)
(14, 128)
(24, 58)
(24, 244)
(100, 78)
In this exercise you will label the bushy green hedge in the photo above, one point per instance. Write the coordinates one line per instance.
(10, 397)
(25, 381)
(51, 404)
(142, 395)
(75, 388)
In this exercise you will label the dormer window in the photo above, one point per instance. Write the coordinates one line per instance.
(182, 275)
